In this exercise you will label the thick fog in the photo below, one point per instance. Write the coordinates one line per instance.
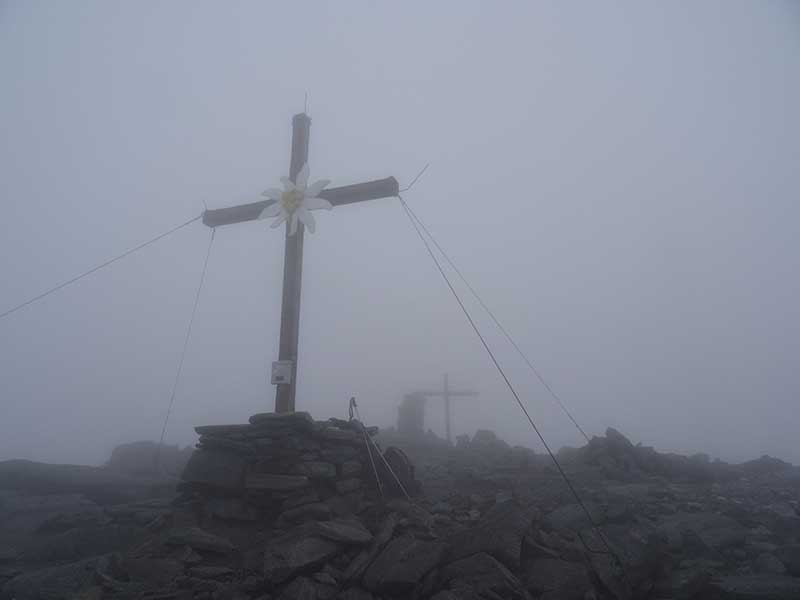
(618, 180)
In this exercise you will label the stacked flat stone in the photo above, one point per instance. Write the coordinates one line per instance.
(278, 462)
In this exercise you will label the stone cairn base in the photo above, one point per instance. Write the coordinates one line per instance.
(278, 463)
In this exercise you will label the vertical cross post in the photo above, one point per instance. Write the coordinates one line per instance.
(447, 407)
(292, 274)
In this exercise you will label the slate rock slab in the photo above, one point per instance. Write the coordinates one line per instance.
(296, 552)
(482, 576)
(269, 482)
(359, 564)
(340, 530)
(222, 470)
(572, 516)
(499, 533)
(555, 578)
(402, 563)
(297, 420)
(198, 539)
(313, 511)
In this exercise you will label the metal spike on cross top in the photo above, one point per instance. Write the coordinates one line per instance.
(292, 206)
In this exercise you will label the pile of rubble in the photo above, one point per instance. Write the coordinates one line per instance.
(481, 530)
(620, 460)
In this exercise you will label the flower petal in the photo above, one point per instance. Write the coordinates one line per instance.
(271, 210)
(293, 224)
(288, 186)
(302, 178)
(279, 221)
(273, 193)
(306, 218)
(316, 187)
(317, 203)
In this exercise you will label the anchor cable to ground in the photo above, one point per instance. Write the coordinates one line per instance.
(97, 268)
(156, 462)
(499, 325)
(511, 388)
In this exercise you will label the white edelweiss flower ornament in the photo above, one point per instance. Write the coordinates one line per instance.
(295, 202)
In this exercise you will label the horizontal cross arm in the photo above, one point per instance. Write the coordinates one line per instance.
(348, 194)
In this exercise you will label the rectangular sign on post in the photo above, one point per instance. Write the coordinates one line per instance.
(282, 371)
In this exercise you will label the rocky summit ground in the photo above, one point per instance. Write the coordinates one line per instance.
(488, 521)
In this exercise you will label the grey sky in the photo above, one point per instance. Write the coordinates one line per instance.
(620, 181)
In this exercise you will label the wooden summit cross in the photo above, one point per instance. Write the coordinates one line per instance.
(286, 367)
(447, 393)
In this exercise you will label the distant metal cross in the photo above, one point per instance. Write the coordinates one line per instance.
(447, 393)
(285, 370)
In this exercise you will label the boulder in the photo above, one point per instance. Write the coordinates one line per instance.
(573, 517)
(402, 471)
(359, 564)
(554, 578)
(296, 552)
(401, 564)
(616, 439)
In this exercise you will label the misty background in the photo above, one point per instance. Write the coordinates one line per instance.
(619, 181)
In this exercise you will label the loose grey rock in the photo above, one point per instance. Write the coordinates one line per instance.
(198, 539)
(789, 555)
(499, 533)
(345, 486)
(754, 587)
(554, 578)
(210, 572)
(359, 564)
(350, 468)
(304, 588)
(483, 577)
(230, 508)
(55, 583)
(315, 511)
(294, 552)
(301, 420)
(402, 563)
(317, 469)
(341, 530)
(275, 483)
